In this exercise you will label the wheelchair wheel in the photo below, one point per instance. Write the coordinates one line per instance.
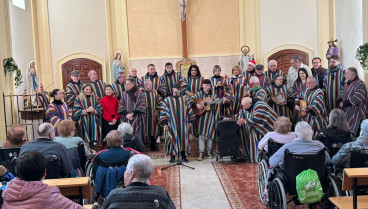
(277, 195)
(89, 168)
(331, 191)
(338, 181)
(262, 180)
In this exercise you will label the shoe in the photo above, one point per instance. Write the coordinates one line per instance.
(209, 155)
(200, 156)
(184, 159)
(172, 160)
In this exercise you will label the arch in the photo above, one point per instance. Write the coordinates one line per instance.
(73, 56)
(309, 51)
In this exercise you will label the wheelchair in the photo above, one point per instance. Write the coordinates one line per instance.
(263, 166)
(358, 159)
(283, 181)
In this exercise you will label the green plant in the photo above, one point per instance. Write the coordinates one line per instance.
(11, 67)
(362, 55)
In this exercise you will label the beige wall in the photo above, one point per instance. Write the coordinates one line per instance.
(288, 22)
(77, 26)
(21, 38)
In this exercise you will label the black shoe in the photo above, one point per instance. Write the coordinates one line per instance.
(184, 159)
(172, 160)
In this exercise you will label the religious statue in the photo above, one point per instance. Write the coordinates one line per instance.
(332, 48)
(244, 58)
(32, 82)
(117, 65)
(183, 5)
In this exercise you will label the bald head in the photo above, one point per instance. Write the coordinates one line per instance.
(246, 102)
(44, 131)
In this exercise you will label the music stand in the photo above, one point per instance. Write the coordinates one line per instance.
(178, 162)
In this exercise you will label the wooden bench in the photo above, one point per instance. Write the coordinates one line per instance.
(88, 206)
(352, 178)
(72, 187)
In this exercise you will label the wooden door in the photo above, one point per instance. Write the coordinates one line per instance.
(283, 58)
(83, 65)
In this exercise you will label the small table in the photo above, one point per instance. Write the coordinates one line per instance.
(79, 186)
(352, 178)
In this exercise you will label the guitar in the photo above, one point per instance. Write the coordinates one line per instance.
(206, 103)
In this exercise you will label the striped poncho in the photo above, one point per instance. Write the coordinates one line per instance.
(98, 88)
(168, 80)
(193, 85)
(354, 98)
(220, 90)
(127, 105)
(259, 120)
(333, 84)
(89, 124)
(273, 91)
(208, 120)
(156, 82)
(118, 89)
(72, 91)
(316, 115)
(177, 113)
(153, 101)
(271, 75)
(236, 91)
(56, 112)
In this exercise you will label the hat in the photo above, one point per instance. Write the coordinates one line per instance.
(252, 62)
(75, 73)
(259, 66)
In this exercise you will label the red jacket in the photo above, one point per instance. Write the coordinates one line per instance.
(110, 107)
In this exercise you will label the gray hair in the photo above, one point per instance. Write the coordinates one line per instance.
(89, 72)
(130, 69)
(45, 129)
(303, 130)
(271, 61)
(295, 58)
(120, 74)
(143, 167)
(131, 80)
(254, 79)
(312, 78)
(353, 70)
(125, 128)
(146, 81)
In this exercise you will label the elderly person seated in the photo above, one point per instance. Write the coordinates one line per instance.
(131, 140)
(303, 144)
(15, 137)
(66, 130)
(116, 152)
(28, 191)
(281, 135)
(337, 132)
(138, 194)
(342, 157)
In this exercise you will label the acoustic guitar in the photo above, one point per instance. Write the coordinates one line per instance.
(206, 103)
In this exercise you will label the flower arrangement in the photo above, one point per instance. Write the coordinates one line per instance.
(12, 67)
(362, 55)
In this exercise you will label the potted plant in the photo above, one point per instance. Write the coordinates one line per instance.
(362, 55)
(11, 67)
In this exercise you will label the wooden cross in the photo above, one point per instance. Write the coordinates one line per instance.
(183, 5)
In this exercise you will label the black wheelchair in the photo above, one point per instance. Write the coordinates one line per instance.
(9, 158)
(358, 159)
(263, 167)
(283, 181)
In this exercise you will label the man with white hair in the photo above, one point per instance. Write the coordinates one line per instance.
(133, 74)
(342, 157)
(255, 90)
(98, 86)
(273, 71)
(137, 193)
(255, 119)
(45, 145)
(315, 110)
(303, 144)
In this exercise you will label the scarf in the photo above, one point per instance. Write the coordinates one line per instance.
(151, 76)
(169, 74)
(349, 81)
(276, 86)
(131, 93)
(217, 76)
(57, 102)
(255, 89)
(317, 71)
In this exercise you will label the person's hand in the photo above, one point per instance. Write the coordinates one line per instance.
(188, 93)
(341, 104)
(157, 113)
(284, 103)
(90, 109)
(219, 84)
(247, 94)
(129, 116)
(141, 89)
(166, 127)
(199, 106)
(297, 107)
(273, 99)
(241, 121)
(189, 125)
(154, 90)
(227, 77)
(113, 122)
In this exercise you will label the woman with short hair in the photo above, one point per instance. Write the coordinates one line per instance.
(15, 137)
(110, 106)
(281, 135)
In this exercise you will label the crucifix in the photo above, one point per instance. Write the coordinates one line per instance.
(184, 64)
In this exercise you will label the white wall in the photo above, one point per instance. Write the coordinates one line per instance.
(288, 22)
(77, 26)
(349, 31)
(21, 38)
